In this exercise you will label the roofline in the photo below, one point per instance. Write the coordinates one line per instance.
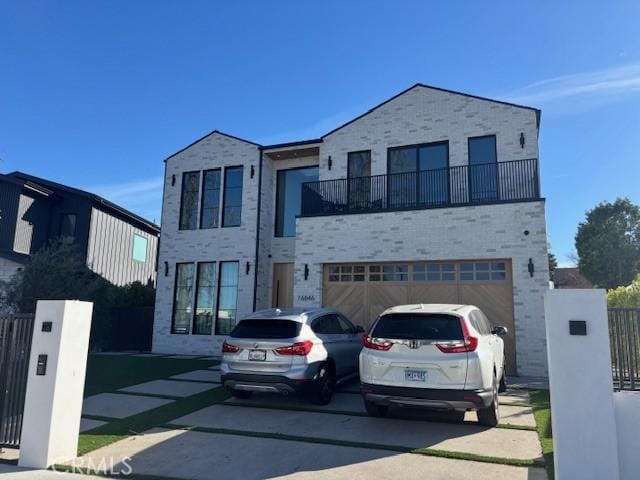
(92, 196)
(211, 133)
(477, 97)
(292, 144)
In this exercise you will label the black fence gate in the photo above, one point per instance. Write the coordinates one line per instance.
(624, 335)
(15, 347)
(131, 329)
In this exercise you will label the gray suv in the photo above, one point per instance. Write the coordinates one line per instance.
(294, 350)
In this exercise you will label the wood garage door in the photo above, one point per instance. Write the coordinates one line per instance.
(363, 290)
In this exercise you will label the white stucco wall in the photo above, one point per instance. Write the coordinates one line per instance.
(627, 412)
(217, 244)
(482, 232)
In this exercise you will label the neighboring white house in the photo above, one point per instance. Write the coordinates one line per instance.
(431, 196)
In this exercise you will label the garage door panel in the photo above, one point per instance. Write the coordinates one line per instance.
(426, 292)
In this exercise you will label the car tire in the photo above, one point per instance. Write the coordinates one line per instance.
(503, 382)
(240, 394)
(490, 415)
(323, 386)
(375, 410)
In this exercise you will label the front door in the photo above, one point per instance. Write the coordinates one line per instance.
(282, 295)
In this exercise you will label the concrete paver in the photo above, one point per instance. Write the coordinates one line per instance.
(495, 442)
(90, 424)
(170, 388)
(203, 454)
(199, 375)
(114, 405)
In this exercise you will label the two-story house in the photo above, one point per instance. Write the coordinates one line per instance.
(431, 196)
(117, 244)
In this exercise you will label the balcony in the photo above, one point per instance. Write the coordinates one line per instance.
(465, 185)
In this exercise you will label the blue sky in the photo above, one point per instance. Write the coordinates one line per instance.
(96, 94)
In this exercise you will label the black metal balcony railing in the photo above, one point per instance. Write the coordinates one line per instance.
(454, 186)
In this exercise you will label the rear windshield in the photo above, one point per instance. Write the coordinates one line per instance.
(418, 327)
(266, 329)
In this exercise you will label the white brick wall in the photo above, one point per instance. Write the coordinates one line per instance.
(464, 233)
(219, 244)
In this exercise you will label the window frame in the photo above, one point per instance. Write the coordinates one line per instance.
(195, 297)
(495, 149)
(133, 248)
(202, 190)
(218, 287)
(75, 224)
(349, 162)
(182, 194)
(278, 187)
(175, 296)
(224, 195)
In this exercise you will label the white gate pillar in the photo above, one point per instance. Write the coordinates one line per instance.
(57, 367)
(581, 385)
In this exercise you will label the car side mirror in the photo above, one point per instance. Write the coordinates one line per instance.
(359, 329)
(500, 331)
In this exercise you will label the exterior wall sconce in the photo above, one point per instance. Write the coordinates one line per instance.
(166, 269)
(253, 171)
(521, 139)
(531, 268)
(329, 162)
(306, 271)
(248, 267)
(173, 179)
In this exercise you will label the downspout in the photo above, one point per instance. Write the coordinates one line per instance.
(255, 265)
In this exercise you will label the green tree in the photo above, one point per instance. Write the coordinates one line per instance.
(553, 263)
(608, 243)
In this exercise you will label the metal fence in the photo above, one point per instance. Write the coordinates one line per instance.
(453, 186)
(131, 329)
(624, 334)
(15, 347)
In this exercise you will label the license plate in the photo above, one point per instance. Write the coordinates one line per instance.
(258, 355)
(415, 375)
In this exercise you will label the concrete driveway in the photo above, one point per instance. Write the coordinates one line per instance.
(276, 437)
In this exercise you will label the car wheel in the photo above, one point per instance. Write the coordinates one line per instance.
(241, 394)
(323, 386)
(490, 415)
(375, 410)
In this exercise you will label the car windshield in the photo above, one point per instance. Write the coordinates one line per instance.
(431, 326)
(266, 329)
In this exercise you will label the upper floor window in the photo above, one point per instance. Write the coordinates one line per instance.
(421, 174)
(232, 200)
(289, 197)
(189, 201)
(139, 253)
(210, 209)
(68, 227)
(483, 169)
(359, 164)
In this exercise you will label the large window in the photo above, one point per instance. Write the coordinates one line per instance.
(289, 198)
(189, 201)
(139, 253)
(227, 298)
(210, 205)
(419, 174)
(205, 291)
(183, 298)
(232, 208)
(359, 175)
(483, 169)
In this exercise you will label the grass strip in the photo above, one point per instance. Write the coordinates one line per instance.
(541, 404)
(106, 373)
(431, 452)
(135, 424)
(302, 408)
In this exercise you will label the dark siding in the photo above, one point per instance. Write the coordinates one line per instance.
(82, 208)
(9, 199)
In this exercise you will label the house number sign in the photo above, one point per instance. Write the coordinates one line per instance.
(306, 298)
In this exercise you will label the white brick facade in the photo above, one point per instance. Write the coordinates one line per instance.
(419, 115)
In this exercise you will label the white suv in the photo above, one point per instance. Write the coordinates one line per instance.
(444, 357)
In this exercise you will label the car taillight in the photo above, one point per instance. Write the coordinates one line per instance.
(300, 348)
(375, 344)
(468, 344)
(228, 348)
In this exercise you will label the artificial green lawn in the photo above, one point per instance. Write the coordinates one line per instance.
(541, 404)
(106, 373)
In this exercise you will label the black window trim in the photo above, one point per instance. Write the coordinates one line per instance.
(495, 147)
(201, 206)
(75, 223)
(223, 184)
(173, 305)
(417, 147)
(275, 216)
(217, 299)
(195, 296)
(184, 174)
(349, 163)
